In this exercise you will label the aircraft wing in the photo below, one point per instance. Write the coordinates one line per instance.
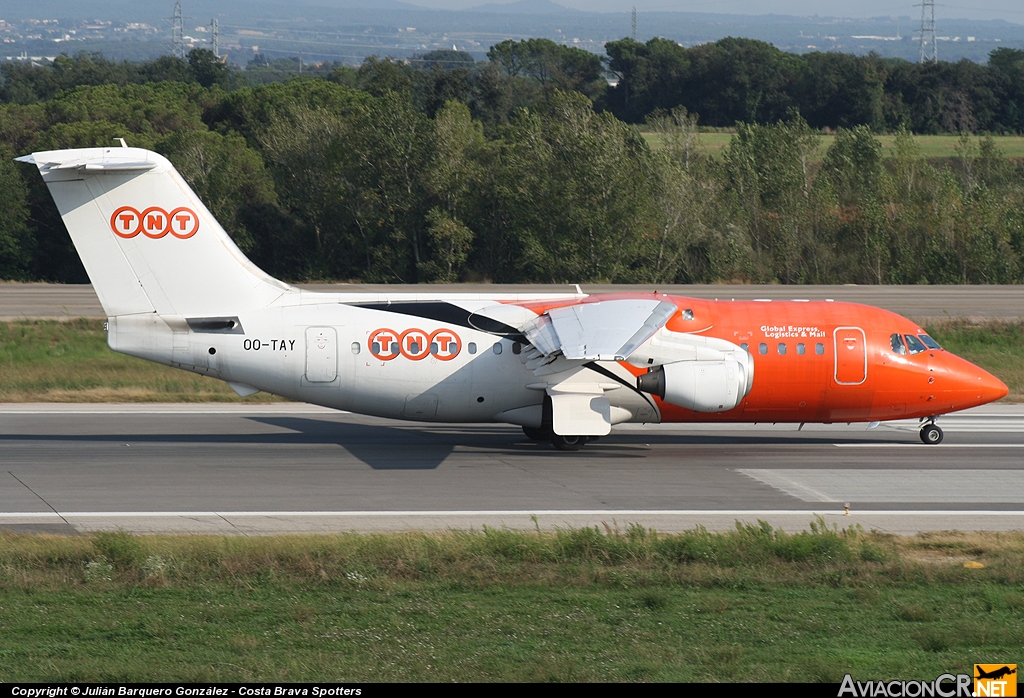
(602, 331)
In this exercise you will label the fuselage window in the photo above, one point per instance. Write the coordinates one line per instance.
(745, 347)
(928, 341)
(687, 314)
(914, 344)
(394, 347)
(897, 344)
(517, 347)
(355, 347)
(819, 348)
(762, 348)
(497, 348)
(434, 347)
(472, 347)
(801, 348)
(782, 347)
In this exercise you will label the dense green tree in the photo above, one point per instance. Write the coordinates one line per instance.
(551, 66)
(16, 238)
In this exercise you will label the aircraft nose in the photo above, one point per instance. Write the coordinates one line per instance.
(978, 385)
(992, 388)
(968, 385)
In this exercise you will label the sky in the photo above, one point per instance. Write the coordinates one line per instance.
(1009, 10)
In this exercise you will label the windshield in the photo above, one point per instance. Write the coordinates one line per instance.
(897, 344)
(929, 342)
(914, 344)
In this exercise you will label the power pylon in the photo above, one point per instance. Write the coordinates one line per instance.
(177, 31)
(633, 35)
(215, 39)
(928, 32)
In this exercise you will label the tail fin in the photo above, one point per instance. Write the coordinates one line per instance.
(147, 242)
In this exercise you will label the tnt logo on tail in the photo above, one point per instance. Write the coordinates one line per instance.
(154, 222)
(995, 680)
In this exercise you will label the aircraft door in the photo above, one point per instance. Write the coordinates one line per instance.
(851, 365)
(321, 354)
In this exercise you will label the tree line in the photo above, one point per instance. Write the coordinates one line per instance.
(397, 173)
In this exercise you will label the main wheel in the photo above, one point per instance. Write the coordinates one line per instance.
(568, 443)
(537, 433)
(931, 434)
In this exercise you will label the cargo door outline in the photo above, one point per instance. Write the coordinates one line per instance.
(321, 354)
(851, 355)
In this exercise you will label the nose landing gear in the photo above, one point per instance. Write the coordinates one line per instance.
(931, 434)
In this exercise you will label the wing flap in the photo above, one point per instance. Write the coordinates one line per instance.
(602, 331)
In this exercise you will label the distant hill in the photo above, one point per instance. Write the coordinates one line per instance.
(525, 7)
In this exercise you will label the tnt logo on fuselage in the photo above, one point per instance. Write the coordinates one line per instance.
(995, 680)
(414, 344)
(154, 222)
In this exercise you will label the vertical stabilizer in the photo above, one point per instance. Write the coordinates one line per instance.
(147, 242)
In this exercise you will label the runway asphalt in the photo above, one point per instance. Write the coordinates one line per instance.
(923, 303)
(296, 468)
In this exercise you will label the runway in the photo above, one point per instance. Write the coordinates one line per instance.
(279, 468)
(922, 303)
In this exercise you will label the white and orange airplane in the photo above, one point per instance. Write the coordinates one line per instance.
(566, 368)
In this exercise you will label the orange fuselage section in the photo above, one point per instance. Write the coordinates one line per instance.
(821, 361)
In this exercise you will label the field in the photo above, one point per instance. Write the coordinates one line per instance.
(48, 361)
(932, 147)
(572, 605)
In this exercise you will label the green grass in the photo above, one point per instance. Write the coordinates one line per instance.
(49, 361)
(572, 605)
(931, 146)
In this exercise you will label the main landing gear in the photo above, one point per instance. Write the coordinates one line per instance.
(931, 434)
(562, 443)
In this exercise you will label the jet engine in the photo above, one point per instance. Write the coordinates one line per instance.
(702, 386)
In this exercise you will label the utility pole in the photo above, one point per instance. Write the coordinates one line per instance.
(215, 39)
(633, 34)
(928, 32)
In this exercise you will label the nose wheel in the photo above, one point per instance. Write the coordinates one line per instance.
(931, 434)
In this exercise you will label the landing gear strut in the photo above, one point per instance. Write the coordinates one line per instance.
(931, 434)
(537, 433)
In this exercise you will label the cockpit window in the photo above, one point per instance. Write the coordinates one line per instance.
(914, 344)
(928, 341)
(897, 344)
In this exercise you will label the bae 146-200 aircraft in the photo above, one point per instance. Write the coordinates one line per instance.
(566, 368)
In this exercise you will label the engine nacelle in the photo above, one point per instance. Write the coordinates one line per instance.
(702, 386)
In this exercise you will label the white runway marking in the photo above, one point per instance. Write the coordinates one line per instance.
(954, 486)
(899, 445)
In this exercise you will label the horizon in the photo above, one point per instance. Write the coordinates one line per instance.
(1007, 10)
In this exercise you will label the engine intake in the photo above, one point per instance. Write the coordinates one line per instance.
(701, 386)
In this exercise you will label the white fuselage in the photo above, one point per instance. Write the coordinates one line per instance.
(341, 355)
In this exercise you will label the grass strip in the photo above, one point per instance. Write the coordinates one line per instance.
(52, 361)
(754, 604)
